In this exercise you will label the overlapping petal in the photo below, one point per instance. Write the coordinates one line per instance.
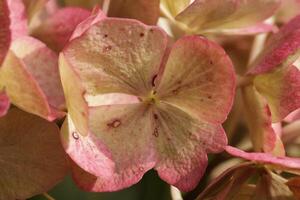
(32, 159)
(102, 59)
(259, 122)
(143, 10)
(122, 120)
(5, 34)
(198, 78)
(281, 88)
(31, 79)
(57, 29)
(216, 15)
(282, 49)
(276, 162)
(175, 7)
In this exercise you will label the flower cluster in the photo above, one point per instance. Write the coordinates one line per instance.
(108, 90)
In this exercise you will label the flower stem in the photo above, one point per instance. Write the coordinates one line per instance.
(47, 196)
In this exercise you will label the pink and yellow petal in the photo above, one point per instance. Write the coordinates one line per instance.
(288, 164)
(199, 79)
(281, 88)
(101, 58)
(143, 10)
(5, 34)
(182, 144)
(282, 49)
(259, 122)
(33, 84)
(204, 15)
(35, 162)
(57, 29)
(118, 146)
(18, 18)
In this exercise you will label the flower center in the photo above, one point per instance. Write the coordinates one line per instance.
(151, 98)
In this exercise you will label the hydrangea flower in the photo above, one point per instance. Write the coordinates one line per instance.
(136, 103)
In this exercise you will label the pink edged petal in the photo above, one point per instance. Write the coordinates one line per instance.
(18, 18)
(32, 158)
(143, 10)
(118, 146)
(282, 49)
(281, 88)
(103, 62)
(259, 122)
(204, 15)
(199, 79)
(182, 144)
(31, 79)
(95, 17)
(5, 34)
(57, 29)
(282, 163)
(293, 116)
(4, 103)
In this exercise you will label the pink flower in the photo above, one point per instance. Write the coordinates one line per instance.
(136, 103)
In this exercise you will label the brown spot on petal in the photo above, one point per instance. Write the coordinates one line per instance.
(75, 135)
(155, 132)
(155, 116)
(105, 35)
(114, 124)
(175, 91)
(142, 34)
(211, 62)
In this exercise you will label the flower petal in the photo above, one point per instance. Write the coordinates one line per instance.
(182, 144)
(4, 103)
(199, 79)
(282, 49)
(118, 146)
(175, 7)
(31, 80)
(259, 122)
(57, 29)
(143, 10)
(32, 159)
(5, 34)
(294, 184)
(229, 182)
(101, 58)
(216, 15)
(281, 88)
(83, 3)
(18, 19)
(282, 163)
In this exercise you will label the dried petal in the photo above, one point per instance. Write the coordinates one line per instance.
(175, 7)
(199, 79)
(182, 144)
(18, 19)
(143, 10)
(281, 88)
(259, 122)
(282, 49)
(32, 159)
(294, 185)
(215, 15)
(101, 58)
(30, 77)
(5, 34)
(282, 163)
(57, 29)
